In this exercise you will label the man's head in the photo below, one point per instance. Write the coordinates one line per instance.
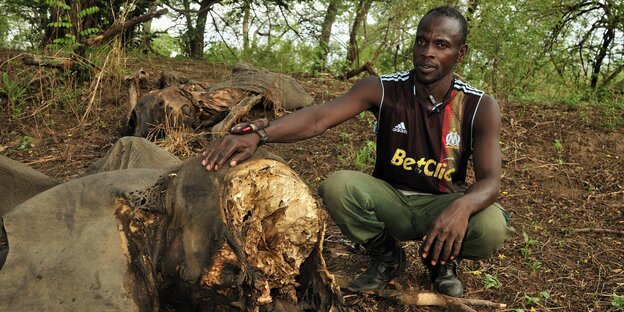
(440, 44)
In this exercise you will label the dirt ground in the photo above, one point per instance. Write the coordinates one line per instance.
(562, 185)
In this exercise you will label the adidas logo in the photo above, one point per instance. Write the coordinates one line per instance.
(400, 128)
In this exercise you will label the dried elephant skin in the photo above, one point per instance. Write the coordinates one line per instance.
(19, 182)
(282, 91)
(67, 252)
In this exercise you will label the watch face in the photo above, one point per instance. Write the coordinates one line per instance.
(263, 135)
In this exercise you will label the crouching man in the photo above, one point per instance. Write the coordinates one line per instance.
(429, 123)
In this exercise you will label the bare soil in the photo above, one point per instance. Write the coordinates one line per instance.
(562, 185)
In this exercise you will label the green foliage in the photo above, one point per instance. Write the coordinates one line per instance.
(365, 156)
(528, 244)
(89, 31)
(87, 11)
(533, 301)
(58, 4)
(166, 45)
(559, 148)
(71, 33)
(12, 90)
(219, 53)
(24, 143)
(491, 281)
(518, 51)
(617, 302)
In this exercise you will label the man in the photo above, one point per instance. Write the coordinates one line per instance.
(428, 124)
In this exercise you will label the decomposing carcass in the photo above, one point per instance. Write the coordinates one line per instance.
(143, 231)
(182, 102)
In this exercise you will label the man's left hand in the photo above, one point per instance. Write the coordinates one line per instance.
(445, 237)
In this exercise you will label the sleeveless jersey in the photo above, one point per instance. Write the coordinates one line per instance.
(421, 150)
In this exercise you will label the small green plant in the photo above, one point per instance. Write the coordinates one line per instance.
(545, 294)
(369, 118)
(346, 154)
(365, 156)
(528, 243)
(531, 301)
(558, 146)
(535, 265)
(12, 90)
(491, 281)
(24, 143)
(345, 136)
(617, 302)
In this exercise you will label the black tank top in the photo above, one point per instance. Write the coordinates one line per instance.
(421, 150)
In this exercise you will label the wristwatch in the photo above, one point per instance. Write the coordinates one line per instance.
(263, 136)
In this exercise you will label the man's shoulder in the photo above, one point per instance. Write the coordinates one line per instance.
(397, 77)
(467, 88)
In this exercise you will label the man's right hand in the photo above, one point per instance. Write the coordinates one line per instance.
(237, 148)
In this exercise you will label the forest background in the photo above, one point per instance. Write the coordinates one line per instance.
(559, 50)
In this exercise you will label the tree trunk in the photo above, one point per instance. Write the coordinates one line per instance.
(326, 28)
(607, 39)
(360, 18)
(197, 46)
(146, 33)
(246, 16)
(190, 29)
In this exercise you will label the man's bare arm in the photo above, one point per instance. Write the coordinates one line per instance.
(300, 125)
(446, 235)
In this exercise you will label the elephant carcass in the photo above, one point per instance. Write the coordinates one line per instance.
(144, 239)
(183, 103)
(159, 110)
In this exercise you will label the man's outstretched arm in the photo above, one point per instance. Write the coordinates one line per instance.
(300, 125)
(445, 237)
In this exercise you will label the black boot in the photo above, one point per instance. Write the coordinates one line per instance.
(444, 279)
(387, 261)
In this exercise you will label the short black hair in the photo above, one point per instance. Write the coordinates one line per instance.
(451, 13)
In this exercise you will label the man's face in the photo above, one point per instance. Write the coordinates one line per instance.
(437, 48)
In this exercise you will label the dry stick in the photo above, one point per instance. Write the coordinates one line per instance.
(420, 298)
(119, 28)
(239, 110)
(598, 230)
(95, 90)
(48, 61)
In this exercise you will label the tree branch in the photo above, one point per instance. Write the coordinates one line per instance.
(118, 29)
(214, 23)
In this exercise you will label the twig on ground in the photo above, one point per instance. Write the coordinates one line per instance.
(598, 230)
(425, 298)
(42, 160)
